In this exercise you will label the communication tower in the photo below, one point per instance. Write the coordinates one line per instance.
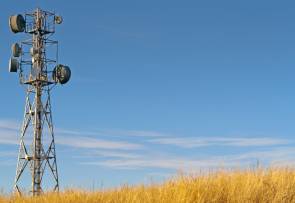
(36, 61)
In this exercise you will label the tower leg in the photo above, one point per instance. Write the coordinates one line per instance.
(39, 157)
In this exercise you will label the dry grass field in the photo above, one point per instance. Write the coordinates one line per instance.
(259, 185)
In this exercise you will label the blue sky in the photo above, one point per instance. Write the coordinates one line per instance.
(159, 87)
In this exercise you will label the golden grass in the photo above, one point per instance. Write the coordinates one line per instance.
(260, 185)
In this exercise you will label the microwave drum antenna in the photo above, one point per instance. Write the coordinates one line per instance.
(17, 23)
(13, 65)
(16, 50)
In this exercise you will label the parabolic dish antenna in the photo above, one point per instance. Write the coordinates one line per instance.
(16, 50)
(17, 23)
(61, 74)
(13, 65)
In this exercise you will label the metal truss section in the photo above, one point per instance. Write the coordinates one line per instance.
(37, 145)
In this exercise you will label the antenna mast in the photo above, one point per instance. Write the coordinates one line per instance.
(36, 60)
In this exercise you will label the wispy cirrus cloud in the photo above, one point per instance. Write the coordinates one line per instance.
(114, 133)
(9, 125)
(114, 149)
(168, 162)
(94, 143)
(8, 137)
(191, 142)
(9, 132)
(7, 158)
(283, 156)
(136, 133)
(112, 154)
(88, 139)
(7, 154)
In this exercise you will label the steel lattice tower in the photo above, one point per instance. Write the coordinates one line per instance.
(39, 72)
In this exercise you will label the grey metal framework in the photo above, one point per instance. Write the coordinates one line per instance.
(37, 153)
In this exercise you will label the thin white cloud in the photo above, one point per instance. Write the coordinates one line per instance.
(76, 132)
(8, 162)
(9, 132)
(5, 154)
(9, 125)
(135, 133)
(110, 154)
(112, 133)
(174, 163)
(8, 137)
(276, 156)
(191, 142)
(116, 155)
(274, 153)
(93, 143)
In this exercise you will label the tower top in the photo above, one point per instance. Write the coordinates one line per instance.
(30, 58)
